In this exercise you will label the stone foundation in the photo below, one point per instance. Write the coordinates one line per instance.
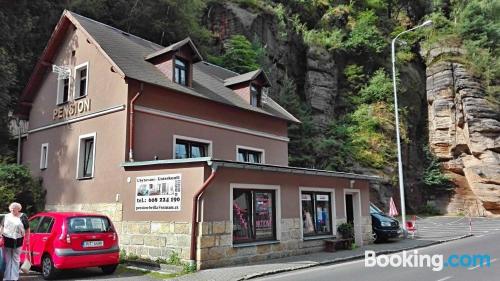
(215, 244)
(153, 239)
(148, 239)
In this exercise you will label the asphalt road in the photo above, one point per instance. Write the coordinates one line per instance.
(442, 227)
(356, 270)
(92, 274)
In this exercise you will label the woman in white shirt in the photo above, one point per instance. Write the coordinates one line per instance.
(13, 228)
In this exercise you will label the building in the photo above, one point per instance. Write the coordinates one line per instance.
(183, 155)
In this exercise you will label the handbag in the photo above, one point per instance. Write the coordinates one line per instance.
(26, 266)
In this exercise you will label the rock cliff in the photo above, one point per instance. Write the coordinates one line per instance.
(464, 132)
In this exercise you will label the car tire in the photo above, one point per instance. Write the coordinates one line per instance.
(48, 270)
(109, 269)
(377, 238)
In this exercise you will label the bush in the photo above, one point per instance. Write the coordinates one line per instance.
(365, 35)
(17, 184)
(346, 230)
(433, 175)
(379, 88)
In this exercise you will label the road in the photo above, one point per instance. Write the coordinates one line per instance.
(443, 227)
(93, 274)
(356, 270)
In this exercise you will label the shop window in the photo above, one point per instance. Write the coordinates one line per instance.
(250, 156)
(316, 213)
(181, 72)
(62, 90)
(255, 95)
(190, 149)
(81, 80)
(44, 154)
(86, 156)
(254, 215)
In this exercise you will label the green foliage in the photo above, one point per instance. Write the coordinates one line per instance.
(346, 230)
(433, 175)
(428, 210)
(174, 259)
(484, 30)
(240, 55)
(365, 36)
(17, 185)
(328, 39)
(372, 129)
(302, 143)
(379, 88)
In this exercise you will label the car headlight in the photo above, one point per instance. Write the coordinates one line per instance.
(385, 223)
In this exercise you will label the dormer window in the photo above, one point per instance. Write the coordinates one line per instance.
(181, 72)
(255, 95)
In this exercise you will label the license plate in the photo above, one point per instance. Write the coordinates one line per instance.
(91, 244)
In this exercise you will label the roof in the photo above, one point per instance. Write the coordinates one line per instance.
(68, 214)
(175, 47)
(127, 53)
(250, 166)
(249, 76)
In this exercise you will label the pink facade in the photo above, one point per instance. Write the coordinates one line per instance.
(162, 116)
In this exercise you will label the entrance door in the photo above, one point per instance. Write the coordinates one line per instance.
(352, 201)
(349, 209)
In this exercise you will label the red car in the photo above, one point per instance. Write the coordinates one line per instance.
(61, 240)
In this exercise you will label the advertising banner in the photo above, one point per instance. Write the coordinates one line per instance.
(158, 193)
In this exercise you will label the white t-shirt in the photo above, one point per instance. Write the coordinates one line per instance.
(13, 227)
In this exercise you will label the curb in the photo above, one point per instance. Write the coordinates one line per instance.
(346, 259)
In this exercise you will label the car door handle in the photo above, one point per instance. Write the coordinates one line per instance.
(45, 239)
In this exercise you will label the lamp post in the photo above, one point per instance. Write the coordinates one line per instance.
(398, 142)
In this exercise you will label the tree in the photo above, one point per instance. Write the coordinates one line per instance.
(17, 185)
(240, 55)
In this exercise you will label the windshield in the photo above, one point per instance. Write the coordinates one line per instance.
(88, 224)
(374, 209)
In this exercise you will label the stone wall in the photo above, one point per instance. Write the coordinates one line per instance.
(149, 239)
(215, 244)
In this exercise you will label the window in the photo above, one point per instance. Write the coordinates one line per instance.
(191, 148)
(255, 95)
(254, 215)
(81, 80)
(181, 72)
(62, 90)
(316, 213)
(33, 223)
(44, 156)
(89, 225)
(250, 155)
(46, 225)
(86, 156)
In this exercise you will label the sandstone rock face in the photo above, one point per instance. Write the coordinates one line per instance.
(464, 128)
(321, 85)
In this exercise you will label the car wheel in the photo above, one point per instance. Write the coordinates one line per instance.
(48, 269)
(109, 269)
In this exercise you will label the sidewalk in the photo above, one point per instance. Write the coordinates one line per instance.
(245, 272)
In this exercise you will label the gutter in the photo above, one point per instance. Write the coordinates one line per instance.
(131, 124)
(194, 214)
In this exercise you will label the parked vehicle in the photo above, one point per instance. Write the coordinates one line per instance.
(383, 226)
(60, 240)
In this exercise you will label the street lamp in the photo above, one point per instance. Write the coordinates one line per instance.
(398, 142)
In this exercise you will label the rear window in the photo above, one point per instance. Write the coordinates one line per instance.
(88, 224)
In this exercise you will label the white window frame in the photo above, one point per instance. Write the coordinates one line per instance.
(44, 161)
(179, 137)
(76, 88)
(358, 239)
(262, 153)
(79, 157)
(333, 212)
(60, 89)
(277, 200)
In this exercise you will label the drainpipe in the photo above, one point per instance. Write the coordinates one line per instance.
(18, 141)
(131, 124)
(194, 215)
